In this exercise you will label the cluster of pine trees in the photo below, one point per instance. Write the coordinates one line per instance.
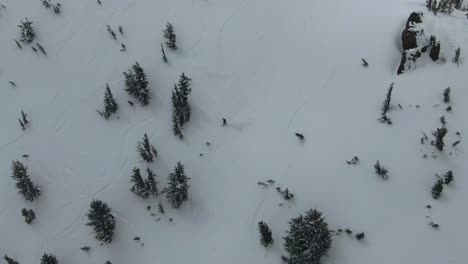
(136, 84)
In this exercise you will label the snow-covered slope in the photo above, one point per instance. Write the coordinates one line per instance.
(271, 68)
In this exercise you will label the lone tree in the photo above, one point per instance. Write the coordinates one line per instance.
(29, 215)
(163, 53)
(146, 150)
(386, 106)
(161, 208)
(136, 84)
(102, 221)
(24, 120)
(10, 260)
(26, 31)
(456, 58)
(182, 110)
(381, 170)
(177, 190)
(447, 95)
(439, 135)
(49, 259)
(170, 36)
(138, 184)
(25, 186)
(151, 183)
(265, 234)
(308, 239)
(448, 177)
(437, 189)
(110, 105)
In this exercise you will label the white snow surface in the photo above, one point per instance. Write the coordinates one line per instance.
(272, 68)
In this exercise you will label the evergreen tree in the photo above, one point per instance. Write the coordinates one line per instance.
(439, 134)
(10, 260)
(24, 117)
(49, 259)
(23, 182)
(161, 208)
(265, 234)
(26, 31)
(386, 104)
(448, 177)
(29, 215)
(447, 95)
(138, 184)
(381, 170)
(435, 7)
(46, 3)
(102, 221)
(151, 183)
(456, 58)
(110, 105)
(164, 58)
(437, 189)
(177, 190)
(146, 151)
(136, 84)
(170, 36)
(176, 127)
(429, 4)
(308, 239)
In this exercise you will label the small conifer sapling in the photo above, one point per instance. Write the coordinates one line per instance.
(265, 234)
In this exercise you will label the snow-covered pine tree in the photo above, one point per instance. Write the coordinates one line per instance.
(141, 83)
(308, 239)
(176, 113)
(386, 104)
(381, 170)
(437, 189)
(163, 53)
(101, 219)
(448, 177)
(161, 208)
(446, 95)
(49, 259)
(151, 183)
(138, 184)
(170, 36)
(10, 260)
(435, 7)
(185, 90)
(25, 186)
(429, 4)
(46, 3)
(110, 105)
(265, 234)
(29, 215)
(136, 84)
(26, 31)
(177, 190)
(456, 58)
(146, 150)
(439, 135)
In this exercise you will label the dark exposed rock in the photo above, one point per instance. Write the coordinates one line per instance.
(408, 36)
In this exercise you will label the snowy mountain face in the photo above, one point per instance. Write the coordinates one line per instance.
(271, 69)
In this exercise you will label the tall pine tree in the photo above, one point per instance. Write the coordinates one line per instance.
(101, 219)
(49, 259)
(151, 183)
(308, 239)
(138, 184)
(25, 186)
(146, 150)
(265, 234)
(177, 190)
(170, 36)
